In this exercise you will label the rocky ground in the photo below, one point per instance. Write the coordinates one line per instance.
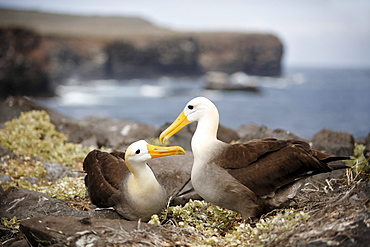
(44, 202)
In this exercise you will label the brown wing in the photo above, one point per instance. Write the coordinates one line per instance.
(267, 164)
(241, 155)
(105, 175)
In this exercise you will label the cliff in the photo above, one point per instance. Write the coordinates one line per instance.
(39, 49)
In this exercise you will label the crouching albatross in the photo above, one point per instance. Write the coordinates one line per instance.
(240, 176)
(125, 182)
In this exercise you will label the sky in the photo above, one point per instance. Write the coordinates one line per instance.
(319, 33)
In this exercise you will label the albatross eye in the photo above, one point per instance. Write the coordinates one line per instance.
(191, 107)
(137, 151)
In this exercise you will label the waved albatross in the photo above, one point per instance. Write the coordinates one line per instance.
(125, 182)
(241, 176)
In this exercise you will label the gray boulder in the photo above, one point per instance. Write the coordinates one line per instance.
(252, 131)
(23, 203)
(77, 231)
(334, 142)
(117, 133)
(55, 171)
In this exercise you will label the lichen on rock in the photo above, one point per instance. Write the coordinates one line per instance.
(34, 140)
(222, 227)
(33, 134)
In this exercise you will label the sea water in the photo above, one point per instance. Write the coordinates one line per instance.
(303, 100)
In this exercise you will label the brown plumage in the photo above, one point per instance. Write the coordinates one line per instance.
(241, 176)
(125, 182)
(254, 163)
(105, 175)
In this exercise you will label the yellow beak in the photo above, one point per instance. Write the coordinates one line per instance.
(180, 122)
(157, 151)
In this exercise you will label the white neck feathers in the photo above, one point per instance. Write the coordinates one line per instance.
(142, 181)
(204, 141)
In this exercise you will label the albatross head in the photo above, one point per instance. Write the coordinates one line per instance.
(138, 153)
(199, 109)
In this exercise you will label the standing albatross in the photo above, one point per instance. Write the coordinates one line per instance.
(125, 182)
(241, 176)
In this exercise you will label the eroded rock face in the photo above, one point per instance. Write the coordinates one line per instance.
(32, 63)
(20, 72)
(255, 54)
(172, 56)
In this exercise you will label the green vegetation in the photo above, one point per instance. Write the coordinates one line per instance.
(222, 227)
(33, 136)
(358, 159)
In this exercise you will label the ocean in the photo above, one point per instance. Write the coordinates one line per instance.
(303, 100)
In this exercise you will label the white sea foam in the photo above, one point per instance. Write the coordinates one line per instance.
(300, 102)
(153, 91)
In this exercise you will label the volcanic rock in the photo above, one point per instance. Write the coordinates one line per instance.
(335, 143)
